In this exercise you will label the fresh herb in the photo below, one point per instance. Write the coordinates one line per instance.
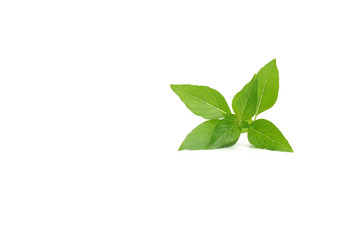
(224, 128)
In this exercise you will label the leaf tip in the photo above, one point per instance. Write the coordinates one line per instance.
(174, 87)
(289, 149)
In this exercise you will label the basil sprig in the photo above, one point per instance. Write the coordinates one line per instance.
(224, 128)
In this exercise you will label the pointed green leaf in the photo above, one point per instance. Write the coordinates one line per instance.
(202, 101)
(226, 133)
(200, 137)
(268, 84)
(245, 102)
(264, 134)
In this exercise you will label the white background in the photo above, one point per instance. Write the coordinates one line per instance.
(89, 127)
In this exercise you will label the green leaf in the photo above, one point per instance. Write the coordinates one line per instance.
(200, 137)
(245, 102)
(226, 133)
(202, 101)
(264, 134)
(268, 85)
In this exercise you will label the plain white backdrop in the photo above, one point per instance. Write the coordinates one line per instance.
(89, 127)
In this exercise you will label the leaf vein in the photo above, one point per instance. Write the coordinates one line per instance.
(201, 100)
(269, 137)
(264, 86)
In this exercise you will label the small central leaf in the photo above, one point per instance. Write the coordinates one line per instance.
(226, 133)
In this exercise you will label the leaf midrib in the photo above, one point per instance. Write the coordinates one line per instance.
(264, 86)
(270, 138)
(201, 100)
